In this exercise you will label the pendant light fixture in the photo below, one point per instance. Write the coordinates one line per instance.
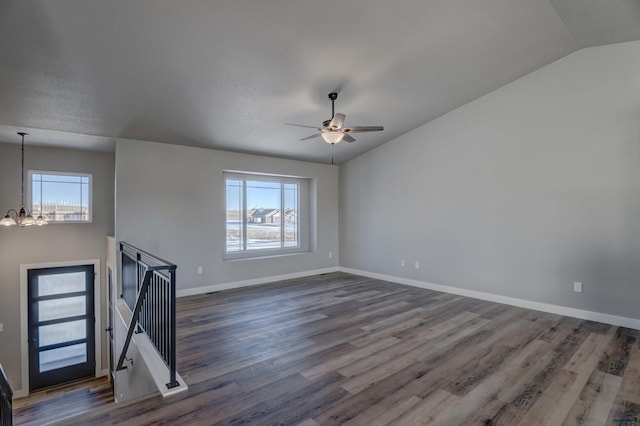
(22, 217)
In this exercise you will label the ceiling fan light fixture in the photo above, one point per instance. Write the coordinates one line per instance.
(332, 137)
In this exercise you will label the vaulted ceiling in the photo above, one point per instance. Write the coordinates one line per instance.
(228, 75)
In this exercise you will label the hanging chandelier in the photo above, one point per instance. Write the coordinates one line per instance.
(22, 217)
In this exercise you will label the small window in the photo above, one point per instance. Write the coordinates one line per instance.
(61, 197)
(265, 215)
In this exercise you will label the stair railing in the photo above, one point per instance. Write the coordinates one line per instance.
(149, 290)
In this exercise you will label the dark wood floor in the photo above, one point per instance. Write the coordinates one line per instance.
(61, 402)
(342, 349)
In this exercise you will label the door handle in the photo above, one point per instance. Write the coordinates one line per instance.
(108, 329)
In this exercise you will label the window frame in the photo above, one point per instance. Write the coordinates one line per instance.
(59, 173)
(303, 215)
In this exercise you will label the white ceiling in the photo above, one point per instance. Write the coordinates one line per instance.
(228, 75)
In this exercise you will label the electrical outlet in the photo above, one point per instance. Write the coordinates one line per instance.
(330, 255)
(417, 265)
(200, 270)
(402, 262)
(577, 287)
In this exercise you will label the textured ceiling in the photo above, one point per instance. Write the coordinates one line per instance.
(228, 75)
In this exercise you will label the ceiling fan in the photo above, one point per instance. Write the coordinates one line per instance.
(332, 130)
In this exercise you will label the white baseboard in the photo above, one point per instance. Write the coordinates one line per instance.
(20, 393)
(513, 301)
(255, 281)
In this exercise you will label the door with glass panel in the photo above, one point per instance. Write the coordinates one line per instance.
(61, 325)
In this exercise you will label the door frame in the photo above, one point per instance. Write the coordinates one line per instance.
(24, 319)
(110, 303)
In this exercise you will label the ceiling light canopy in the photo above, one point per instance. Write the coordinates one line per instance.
(22, 216)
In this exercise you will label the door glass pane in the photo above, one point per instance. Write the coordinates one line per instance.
(63, 332)
(63, 357)
(61, 283)
(62, 308)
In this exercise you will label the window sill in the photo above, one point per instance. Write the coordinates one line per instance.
(264, 256)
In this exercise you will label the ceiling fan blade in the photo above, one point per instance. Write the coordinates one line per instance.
(357, 129)
(310, 137)
(337, 121)
(302, 125)
(347, 138)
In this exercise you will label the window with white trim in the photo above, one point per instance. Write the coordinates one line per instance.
(61, 197)
(265, 214)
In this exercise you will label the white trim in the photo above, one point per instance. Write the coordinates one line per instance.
(24, 320)
(303, 215)
(30, 174)
(20, 394)
(149, 355)
(255, 281)
(156, 365)
(513, 301)
(97, 315)
(114, 292)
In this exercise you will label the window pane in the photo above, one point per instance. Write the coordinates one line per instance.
(264, 215)
(62, 308)
(35, 191)
(84, 193)
(265, 209)
(58, 178)
(62, 332)
(234, 215)
(63, 357)
(291, 203)
(61, 283)
(61, 197)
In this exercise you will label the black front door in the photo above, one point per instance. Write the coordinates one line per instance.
(61, 325)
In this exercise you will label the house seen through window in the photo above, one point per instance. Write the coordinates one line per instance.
(264, 214)
(61, 197)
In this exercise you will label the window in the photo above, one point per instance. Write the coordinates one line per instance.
(265, 214)
(61, 197)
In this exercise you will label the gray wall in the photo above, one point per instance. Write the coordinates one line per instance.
(519, 193)
(52, 243)
(170, 202)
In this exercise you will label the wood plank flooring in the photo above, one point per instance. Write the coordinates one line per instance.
(62, 402)
(341, 349)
